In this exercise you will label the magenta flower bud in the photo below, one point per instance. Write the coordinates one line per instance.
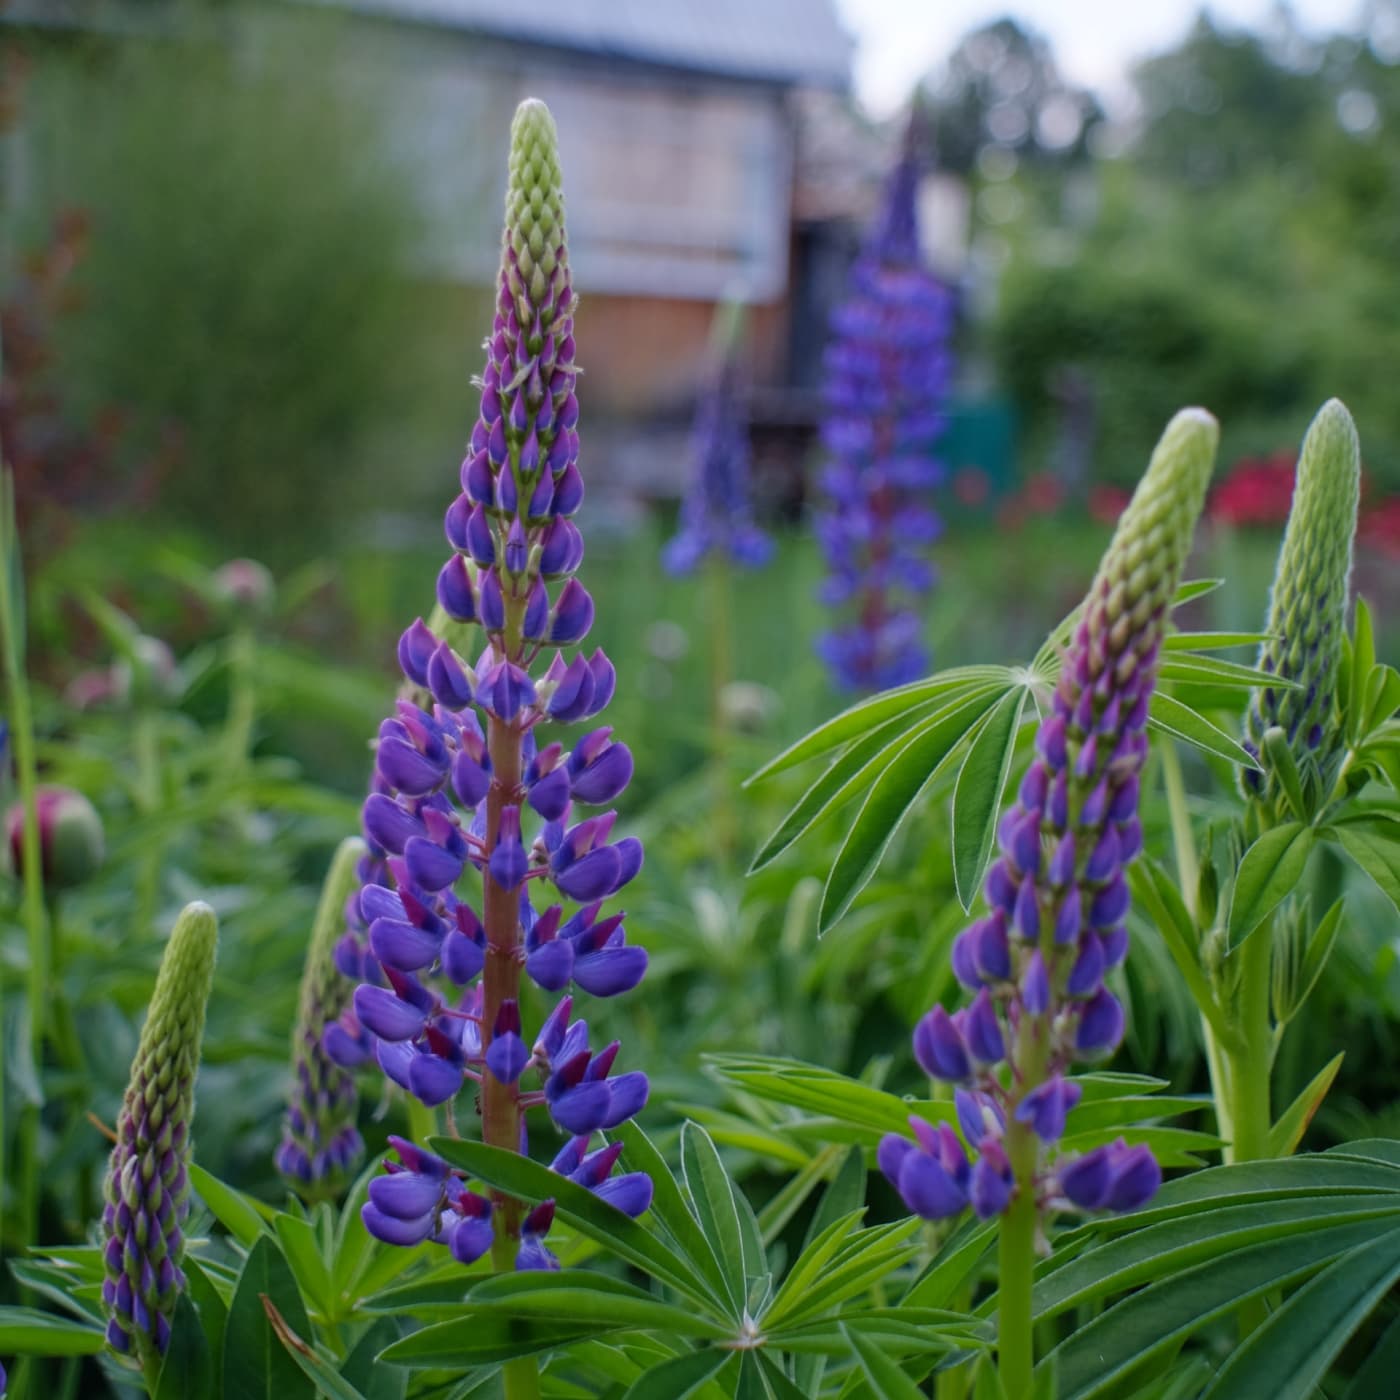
(1085, 1181)
(493, 607)
(477, 480)
(568, 491)
(1027, 910)
(387, 824)
(1063, 861)
(1095, 807)
(481, 542)
(939, 1048)
(506, 1056)
(1136, 1178)
(416, 647)
(1086, 976)
(964, 960)
(572, 615)
(509, 862)
(991, 950)
(983, 1031)
(1050, 742)
(992, 1184)
(1035, 986)
(448, 680)
(1068, 917)
(1001, 887)
(927, 1189)
(1111, 902)
(562, 548)
(455, 591)
(890, 1155)
(1104, 860)
(1100, 1023)
(1045, 1107)
(385, 1015)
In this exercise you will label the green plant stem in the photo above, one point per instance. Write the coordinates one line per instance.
(721, 669)
(146, 744)
(1188, 871)
(1016, 1245)
(21, 718)
(242, 703)
(1016, 1266)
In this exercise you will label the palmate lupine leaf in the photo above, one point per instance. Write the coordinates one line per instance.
(958, 730)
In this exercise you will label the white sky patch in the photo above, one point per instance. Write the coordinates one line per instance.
(1096, 41)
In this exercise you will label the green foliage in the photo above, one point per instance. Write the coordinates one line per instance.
(251, 241)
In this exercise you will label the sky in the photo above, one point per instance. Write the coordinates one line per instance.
(1095, 41)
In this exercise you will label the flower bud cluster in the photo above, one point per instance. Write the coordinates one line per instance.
(1307, 610)
(320, 1138)
(468, 791)
(1057, 894)
(147, 1184)
(888, 367)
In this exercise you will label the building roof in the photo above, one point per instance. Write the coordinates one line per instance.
(783, 41)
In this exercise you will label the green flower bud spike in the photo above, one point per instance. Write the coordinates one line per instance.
(320, 1141)
(147, 1185)
(1307, 615)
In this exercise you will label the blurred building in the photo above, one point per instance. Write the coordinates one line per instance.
(679, 135)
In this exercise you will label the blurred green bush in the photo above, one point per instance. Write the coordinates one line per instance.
(245, 285)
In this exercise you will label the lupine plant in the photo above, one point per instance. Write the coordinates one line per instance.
(454, 786)
(1058, 900)
(717, 511)
(320, 1138)
(887, 368)
(148, 1176)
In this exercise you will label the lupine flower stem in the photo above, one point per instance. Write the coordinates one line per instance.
(721, 673)
(20, 715)
(500, 1108)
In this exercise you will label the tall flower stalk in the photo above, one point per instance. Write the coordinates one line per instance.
(147, 1184)
(459, 779)
(1058, 900)
(888, 368)
(320, 1139)
(1295, 735)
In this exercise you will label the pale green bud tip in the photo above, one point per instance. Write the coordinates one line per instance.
(1142, 567)
(342, 880)
(176, 1015)
(1307, 609)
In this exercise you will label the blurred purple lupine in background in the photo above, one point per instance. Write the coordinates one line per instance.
(440, 1001)
(1058, 897)
(888, 368)
(717, 512)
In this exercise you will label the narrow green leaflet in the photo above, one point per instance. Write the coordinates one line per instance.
(682, 1376)
(895, 791)
(713, 1195)
(849, 773)
(824, 1092)
(1289, 1355)
(860, 718)
(256, 1364)
(1211, 671)
(242, 1216)
(670, 1212)
(29, 1332)
(1168, 715)
(1287, 1133)
(977, 797)
(1270, 870)
(883, 1376)
(1372, 845)
(188, 1367)
(579, 1208)
(1212, 641)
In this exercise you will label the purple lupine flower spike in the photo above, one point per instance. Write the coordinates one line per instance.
(147, 1185)
(887, 372)
(320, 1139)
(477, 805)
(717, 513)
(1057, 893)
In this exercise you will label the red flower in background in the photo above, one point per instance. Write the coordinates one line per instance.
(1257, 491)
(1379, 527)
(1107, 503)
